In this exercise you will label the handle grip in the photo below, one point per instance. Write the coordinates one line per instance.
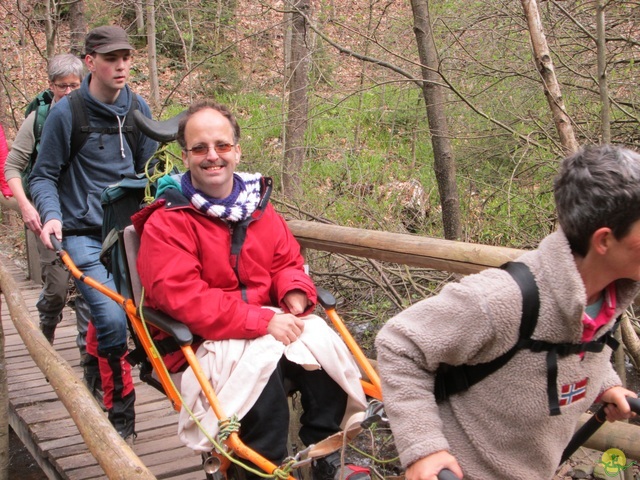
(591, 426)
(446, 474)
(57, 245)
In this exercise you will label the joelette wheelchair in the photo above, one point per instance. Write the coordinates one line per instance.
(121, 248)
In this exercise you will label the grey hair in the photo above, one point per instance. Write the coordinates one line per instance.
(597, 187)
(63, 65)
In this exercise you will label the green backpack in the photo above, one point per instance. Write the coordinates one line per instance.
(41, 105)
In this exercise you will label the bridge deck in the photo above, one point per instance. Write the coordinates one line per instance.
(43, 424)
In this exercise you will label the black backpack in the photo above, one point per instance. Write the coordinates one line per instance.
(452, 379)
(80, 127)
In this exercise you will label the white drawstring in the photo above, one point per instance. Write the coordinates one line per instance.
(120, 124)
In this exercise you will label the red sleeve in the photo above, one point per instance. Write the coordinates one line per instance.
(288, 267)
(4, 151)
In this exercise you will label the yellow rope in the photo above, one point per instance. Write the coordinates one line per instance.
(162, 167)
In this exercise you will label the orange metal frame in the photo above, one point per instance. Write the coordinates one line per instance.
(371, 385)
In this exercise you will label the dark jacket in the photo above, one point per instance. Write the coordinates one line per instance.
(69, 189)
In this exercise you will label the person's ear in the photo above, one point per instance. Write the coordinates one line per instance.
(185, 160)
(601, 240)
(89, 62)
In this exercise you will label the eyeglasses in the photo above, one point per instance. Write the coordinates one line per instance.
(64, 86)
(203, 150)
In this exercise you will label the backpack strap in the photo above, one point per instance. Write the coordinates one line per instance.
(40, 115)
(81, 128)
(452, 379)
(239, 230)
(555, 350)
(455, 379)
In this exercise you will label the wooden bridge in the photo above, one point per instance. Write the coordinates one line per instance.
(54, 428)
(45, 426)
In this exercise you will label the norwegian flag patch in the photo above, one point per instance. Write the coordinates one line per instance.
(573, 392)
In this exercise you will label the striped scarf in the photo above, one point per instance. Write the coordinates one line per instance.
(242, 202)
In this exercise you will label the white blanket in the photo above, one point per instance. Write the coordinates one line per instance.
(239, 370)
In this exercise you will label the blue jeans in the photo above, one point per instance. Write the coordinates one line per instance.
(107, 316)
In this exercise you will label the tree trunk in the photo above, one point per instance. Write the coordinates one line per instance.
(138, 6)
(298, 81)
(444, 162)
(602, 73)
(549, 80)
(151, 49)
(78, 27)
(50, 26)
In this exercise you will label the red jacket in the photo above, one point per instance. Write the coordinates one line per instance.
(4, 151)
(188, 271)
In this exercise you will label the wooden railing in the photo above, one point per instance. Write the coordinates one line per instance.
(412, 250)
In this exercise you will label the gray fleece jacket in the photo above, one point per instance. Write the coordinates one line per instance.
(500, 428)
(69, 189)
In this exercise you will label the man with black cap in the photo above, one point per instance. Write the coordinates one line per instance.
(66, 188)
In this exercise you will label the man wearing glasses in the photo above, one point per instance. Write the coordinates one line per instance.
(66, 192)
(216, 256)
(65, 74)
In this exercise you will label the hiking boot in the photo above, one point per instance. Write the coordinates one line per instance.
(49, 332)
(328, 468)
(92, 378)
(129, 439)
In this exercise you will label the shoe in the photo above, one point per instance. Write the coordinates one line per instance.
(328, 468)
(129, 439)
(49, 332)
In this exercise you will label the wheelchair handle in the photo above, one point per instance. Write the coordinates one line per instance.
(57, 245)
(446, 474)
(591, 426)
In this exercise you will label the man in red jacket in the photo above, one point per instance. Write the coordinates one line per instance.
(221, 254)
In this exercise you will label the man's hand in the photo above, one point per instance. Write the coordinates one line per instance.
(285, 328)
(617, 407)
(52, 227)
(296, 301)
(31, 218)
(429, 467)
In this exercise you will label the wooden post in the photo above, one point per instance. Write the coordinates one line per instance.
(4, 410)
(112, 453)
(33, 257)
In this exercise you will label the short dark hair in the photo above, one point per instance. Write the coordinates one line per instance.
(203, 105)
(598, 186)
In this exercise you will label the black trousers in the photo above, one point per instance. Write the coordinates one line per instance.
(265, 427)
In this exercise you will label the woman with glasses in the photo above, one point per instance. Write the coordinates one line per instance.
(65, 74)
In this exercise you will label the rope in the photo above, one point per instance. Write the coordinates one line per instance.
(227, 426)
(162, 167)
